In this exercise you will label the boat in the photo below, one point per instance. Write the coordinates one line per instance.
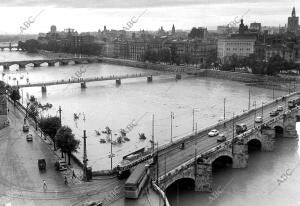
(123, 132)
(102, 141)
(142, 136)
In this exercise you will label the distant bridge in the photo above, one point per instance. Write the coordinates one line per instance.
(51, 62)
(83, 81)
(193, 156)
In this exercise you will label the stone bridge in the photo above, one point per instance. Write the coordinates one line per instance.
(199, 168)
(51, 62)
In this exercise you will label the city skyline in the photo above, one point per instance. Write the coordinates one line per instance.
(84, 17)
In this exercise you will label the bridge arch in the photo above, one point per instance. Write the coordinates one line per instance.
(278, 130)
(254, 144)
(181, 181)
(223, 153)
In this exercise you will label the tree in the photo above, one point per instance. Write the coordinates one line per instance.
(174, 56)
(50, 126)
(275, 65)
(165, 55)
(66, 141)
(196, 33)
(15, 96)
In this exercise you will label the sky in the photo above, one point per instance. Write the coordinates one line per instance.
(91, 15)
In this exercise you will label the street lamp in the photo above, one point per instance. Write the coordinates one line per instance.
(262, 110)
(172, 117)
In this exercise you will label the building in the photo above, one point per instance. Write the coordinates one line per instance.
(242, 46)
(287, 53)
(255, 27)
(293, 22)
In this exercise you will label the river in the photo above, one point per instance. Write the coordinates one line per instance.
(135, 101)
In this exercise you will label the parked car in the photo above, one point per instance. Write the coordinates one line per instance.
(279, 108)
(221, 138)
(258, 119)
(61, 165)
(29, 137)
(274, 113)
(213, 133)
(42, 164)
(25, 128)
(240, 128)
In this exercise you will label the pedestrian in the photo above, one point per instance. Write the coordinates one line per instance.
(44, 185)
(66, 180)
(73, 175)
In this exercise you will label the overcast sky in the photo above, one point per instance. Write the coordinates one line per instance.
(91, 15)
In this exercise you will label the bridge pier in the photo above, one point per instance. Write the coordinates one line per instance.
(267, 139)
(289, 124)
(239, 154)
(149, 78)
(44, 89)
(178, 76)
(203, 177)
(83, 85)
(118, 81)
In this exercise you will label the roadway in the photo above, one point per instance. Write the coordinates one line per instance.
(21, 182)
(172, 157)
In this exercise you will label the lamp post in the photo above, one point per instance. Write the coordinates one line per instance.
(193, 119)
(84, 157)
(172, 117)
(224, 108)
(262, 110)
(254, 104)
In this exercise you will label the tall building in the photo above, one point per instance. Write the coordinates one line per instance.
(293, 22)
(173, 30)
(242, 46)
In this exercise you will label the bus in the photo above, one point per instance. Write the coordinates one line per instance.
(136, 181)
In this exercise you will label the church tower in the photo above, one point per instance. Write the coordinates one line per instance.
(173, 30)
(293, 22)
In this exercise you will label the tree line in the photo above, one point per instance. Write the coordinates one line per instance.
(33, 46)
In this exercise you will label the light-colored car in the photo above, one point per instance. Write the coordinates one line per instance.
(29, 137)
(213, 133)
(279, 108)
(258, 119)
(221, 138)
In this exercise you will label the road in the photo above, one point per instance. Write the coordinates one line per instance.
(173, 157)
(21, 182)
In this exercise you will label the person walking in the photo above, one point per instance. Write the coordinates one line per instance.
(44, 185)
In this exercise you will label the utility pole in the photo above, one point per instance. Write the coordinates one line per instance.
(273, 94)
(157, 166)
(59, 110)
(153, 135)
(84, 157)
(232, 130)
(254, 111)
(249, 101)
(111, 154)
(193, 119)
(224, 107)
(262, 110)
(172, 117)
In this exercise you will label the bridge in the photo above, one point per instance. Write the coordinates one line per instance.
(51, 62)
(83, 81)
(194, 156)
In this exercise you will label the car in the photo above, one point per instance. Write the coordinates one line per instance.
(240, 128)
(42, 164)
(258, 119)
(25, 128)
(213, 133)
(29, 137)
(279, 108)
(221, 138)
(274, 113)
